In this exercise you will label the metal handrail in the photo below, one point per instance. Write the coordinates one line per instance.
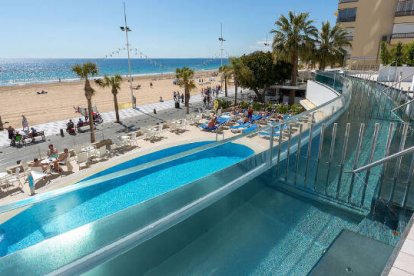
(383, 160)
(398, 82)
(87, 183)
(404, 104)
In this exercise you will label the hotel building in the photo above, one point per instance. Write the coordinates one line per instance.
(369, 22)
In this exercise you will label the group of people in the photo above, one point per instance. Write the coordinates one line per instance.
(57, 159)
(177, 97)
(16, 137)
(208, 93)
(70, 126)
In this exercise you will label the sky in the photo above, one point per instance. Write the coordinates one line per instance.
(160, 28)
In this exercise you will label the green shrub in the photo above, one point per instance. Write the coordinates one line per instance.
(257, 106)
(269, 107)
(224, 103)
(296, 109)
(244, 105)
(282, 108)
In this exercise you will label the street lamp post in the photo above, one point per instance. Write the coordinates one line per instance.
(126, 29)
(221, 39)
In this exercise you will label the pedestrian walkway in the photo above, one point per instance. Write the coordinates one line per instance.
(54, 128)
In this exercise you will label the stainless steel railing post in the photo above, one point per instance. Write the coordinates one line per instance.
(272, 136)
(331, 153)
(356, 159)
(319, 154)
(371, 158)
(399, 160)
(308, 155)
(387, 153)
(280, 147)
(343, 159)
(298, 152)
(288, 153)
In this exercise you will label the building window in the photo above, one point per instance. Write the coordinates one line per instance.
(404, 8)
(349, 33)
(347, 15)
(347, 1)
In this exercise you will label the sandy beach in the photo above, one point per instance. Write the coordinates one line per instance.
(59, 102)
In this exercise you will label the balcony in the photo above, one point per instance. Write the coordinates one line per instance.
(346, 19)
(347, 1)
(405, 8)
(349, 37)
(402, 35)
(404, 13)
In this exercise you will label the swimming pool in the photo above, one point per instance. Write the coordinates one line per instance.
(64, 213)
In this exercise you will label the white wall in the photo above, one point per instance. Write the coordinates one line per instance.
(403, 28)
(392, 73)
(319, 94)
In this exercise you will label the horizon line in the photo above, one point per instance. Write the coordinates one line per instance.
(113, 58)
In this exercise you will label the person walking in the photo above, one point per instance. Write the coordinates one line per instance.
(182, 97)
(25, 124)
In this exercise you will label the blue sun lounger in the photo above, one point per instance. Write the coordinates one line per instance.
(250, 129)
(245, 125)
(266, 134)
(206, 128)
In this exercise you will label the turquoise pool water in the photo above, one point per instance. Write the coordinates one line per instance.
(256, 230)
(64, 213)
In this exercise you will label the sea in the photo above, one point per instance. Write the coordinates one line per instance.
(26, 71)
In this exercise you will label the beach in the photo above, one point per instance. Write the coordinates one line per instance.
(62, 97)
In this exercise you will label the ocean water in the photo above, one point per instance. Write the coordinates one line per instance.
(23, 71)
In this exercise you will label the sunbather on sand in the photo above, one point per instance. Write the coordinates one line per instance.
(212, 122)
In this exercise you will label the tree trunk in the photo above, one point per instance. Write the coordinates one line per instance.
(225, 86)
(259, 95)
(88, 94)
(294, 72)
(116, 106)
(235, 91)
(91, 125)
(293, 80)
(187, 99)
(322, 65)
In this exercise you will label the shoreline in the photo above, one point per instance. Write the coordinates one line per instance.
(138, 76)
(58, 104)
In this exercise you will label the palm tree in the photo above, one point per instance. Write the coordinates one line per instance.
(115, 84)
(239, 71)
(293, 39)
(226, 73)
(185, 79)
(84, 71)
(331, 45)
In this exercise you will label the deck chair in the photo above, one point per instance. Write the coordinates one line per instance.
(83, 160)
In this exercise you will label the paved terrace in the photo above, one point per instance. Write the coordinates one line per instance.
(132, 119)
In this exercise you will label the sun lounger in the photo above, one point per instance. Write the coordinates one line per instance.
(223, 120)
(267, 134)
(256, 118)
(206, 128)
(250, 129)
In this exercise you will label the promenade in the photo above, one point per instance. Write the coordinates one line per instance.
(132, 119)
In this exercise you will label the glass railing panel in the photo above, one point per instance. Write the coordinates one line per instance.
(130, 226)
(173, 204)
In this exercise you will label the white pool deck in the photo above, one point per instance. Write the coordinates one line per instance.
(403, 263)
